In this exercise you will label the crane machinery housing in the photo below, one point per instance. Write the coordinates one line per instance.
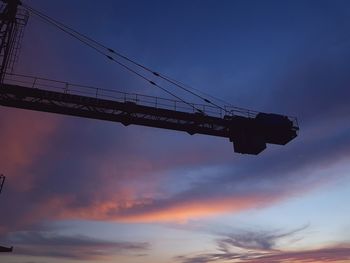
(249, 131)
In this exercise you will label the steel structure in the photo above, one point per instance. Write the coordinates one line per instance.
(249, 131)
(4, 249)
(2, 182)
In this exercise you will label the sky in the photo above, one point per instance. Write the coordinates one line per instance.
(83, 190)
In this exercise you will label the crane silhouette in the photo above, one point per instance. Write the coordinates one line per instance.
(249, 131)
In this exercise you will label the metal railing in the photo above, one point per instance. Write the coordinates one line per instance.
(109, 94)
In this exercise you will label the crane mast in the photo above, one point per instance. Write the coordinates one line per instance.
(12, 21)
(248, 131)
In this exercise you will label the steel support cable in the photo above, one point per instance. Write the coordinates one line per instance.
(215, 98)
(157, 74)
(199, 91)
(78, 37)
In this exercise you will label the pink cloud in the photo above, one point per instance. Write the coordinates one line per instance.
(329, 254)
(24, 138)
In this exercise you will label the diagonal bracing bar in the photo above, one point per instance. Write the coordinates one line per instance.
(2, 181)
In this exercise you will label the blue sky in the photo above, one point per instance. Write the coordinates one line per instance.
(88, 190)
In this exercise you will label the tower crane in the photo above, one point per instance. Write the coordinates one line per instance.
(249, 131)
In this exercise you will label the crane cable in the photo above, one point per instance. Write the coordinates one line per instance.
(81, 36)
(157, 74)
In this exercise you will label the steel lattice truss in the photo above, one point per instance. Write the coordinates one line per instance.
(249, 135)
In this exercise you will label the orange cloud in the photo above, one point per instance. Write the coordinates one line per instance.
(193, 209)
(145, 211)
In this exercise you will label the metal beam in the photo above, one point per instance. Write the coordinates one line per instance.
(6, 249)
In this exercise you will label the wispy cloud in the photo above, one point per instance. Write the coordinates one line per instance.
(262, 247)
(50, 244)
(256, 240)
(339, 253)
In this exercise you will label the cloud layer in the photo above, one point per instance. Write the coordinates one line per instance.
(50, 244)
(328, 254)
(262, 247)
(61, 168)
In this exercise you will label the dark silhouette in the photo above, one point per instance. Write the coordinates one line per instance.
(248, 134)
(6, 249)
(2, 181)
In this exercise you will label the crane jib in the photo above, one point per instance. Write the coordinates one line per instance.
(249, 135)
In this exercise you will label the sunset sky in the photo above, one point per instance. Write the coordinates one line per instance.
(82, 190)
